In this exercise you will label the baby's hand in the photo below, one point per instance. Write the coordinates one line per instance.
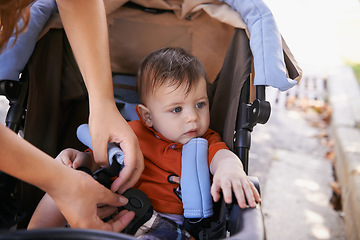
(229, 177)
(74, 158)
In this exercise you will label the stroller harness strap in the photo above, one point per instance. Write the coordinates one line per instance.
(195, 179)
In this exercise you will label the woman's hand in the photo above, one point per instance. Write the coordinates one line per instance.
(78, 200)
(107, 125)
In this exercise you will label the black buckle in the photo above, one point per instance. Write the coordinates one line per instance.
(105, 175)
(141, 205)
(138, 200)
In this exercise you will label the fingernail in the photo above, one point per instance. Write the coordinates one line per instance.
(123, 200)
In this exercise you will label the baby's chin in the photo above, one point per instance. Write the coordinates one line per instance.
(188, 136)
(186, 140)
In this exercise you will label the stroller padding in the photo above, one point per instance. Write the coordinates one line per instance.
(126, 96)
(265, 43)
(246, 223)
(195, 179)
(225, 91)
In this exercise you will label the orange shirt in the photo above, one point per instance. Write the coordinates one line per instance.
(163, 158)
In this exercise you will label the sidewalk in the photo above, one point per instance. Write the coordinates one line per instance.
(344, 96)
(288, 154)
(323, 36)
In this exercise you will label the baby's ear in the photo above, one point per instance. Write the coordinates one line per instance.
(145, 115)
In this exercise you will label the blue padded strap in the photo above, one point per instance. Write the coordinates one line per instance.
(265, 43)
(14, 58)
(113, 150)
(83, 134)
(195, 179)
(127, 110)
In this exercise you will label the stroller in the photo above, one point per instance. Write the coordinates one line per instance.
(229, 65)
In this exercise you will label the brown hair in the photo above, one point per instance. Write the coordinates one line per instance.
(11, 11)
(171, 66)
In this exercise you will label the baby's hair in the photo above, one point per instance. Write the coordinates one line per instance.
(170, 66)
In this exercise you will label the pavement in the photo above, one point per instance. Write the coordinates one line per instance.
(4, 106)
(344, 97)
(290, 155)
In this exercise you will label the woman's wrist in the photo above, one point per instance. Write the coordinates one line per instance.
(56, 176)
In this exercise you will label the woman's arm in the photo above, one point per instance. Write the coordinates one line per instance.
(65, 185)
(86, 28)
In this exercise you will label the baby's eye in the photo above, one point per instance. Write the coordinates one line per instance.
(177, 110)
(200, 105)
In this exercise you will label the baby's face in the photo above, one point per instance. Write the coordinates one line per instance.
(178, 116)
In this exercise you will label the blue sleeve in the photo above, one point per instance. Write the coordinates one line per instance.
(195, 179)
(14, 58)
(265, 43)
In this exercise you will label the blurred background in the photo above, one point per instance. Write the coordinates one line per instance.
(293, 154)
(322, 34)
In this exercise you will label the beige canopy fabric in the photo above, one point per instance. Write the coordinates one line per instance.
(133, 34)
(187, 8)
(203, 27)
(207, 36)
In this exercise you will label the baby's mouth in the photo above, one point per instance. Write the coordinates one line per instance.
(192, 132)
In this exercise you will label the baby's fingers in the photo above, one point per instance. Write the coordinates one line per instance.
(225, 188)
(238, 189)
(251, 193)
(215, 192)
(256, 193)
(66, 162)
(64, 158)
(83, 159)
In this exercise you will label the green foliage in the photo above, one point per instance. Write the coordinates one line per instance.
(356, 69)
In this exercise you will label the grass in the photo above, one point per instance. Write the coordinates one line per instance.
(356, 69)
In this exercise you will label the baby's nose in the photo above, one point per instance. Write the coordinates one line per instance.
(191, 116)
